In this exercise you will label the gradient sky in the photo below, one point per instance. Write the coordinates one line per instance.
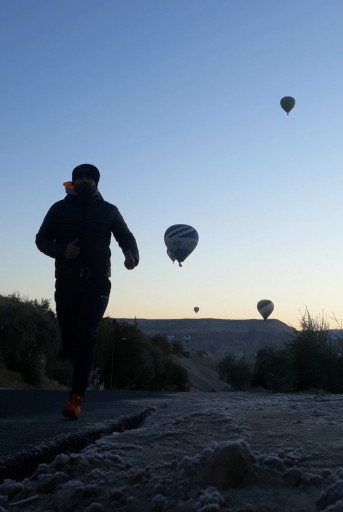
(177, 103)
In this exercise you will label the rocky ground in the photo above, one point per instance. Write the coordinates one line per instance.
(202, 452)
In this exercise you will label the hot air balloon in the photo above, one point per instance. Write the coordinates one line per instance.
(180, 240)
(287, 103)
(196, 309)
(265, 308)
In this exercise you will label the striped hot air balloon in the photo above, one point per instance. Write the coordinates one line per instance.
(265, 307)
(180, 240)
(287, 103)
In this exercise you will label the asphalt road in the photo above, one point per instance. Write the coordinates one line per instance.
(33, 430)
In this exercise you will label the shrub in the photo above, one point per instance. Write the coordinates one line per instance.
(273, 370)
(314, 357)
(236, 372)
(28, 336)
(128, 359)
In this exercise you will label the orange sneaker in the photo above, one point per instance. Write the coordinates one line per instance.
(72, 409)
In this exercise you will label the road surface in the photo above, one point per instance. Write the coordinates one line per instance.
(32, 429)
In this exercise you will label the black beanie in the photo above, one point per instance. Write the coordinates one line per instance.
(87, 169)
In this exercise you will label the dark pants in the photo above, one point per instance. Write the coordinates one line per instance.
(80, 307)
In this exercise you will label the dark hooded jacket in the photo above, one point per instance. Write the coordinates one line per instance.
(91, 220)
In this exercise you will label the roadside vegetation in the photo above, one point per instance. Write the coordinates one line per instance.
(312, 359)
(126, 358)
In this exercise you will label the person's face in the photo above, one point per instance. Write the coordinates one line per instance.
(84, 184)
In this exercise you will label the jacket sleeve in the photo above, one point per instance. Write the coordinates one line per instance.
(123, 235)
(46, 237)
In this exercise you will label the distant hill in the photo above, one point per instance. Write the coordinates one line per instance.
(218, 337)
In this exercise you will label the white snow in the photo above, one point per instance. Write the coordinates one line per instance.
(202, 452)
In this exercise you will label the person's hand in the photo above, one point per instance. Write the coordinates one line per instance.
(72, 250)
(129, 261)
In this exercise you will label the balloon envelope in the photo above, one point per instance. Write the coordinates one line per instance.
(287, 103)
(265, 308)
(180, 240)
(196, 309)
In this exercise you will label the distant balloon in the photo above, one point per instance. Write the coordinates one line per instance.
(287, 103)
(196, 309)
(180, 240)
(265, 308)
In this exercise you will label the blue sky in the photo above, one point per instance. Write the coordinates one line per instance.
(177, 103)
